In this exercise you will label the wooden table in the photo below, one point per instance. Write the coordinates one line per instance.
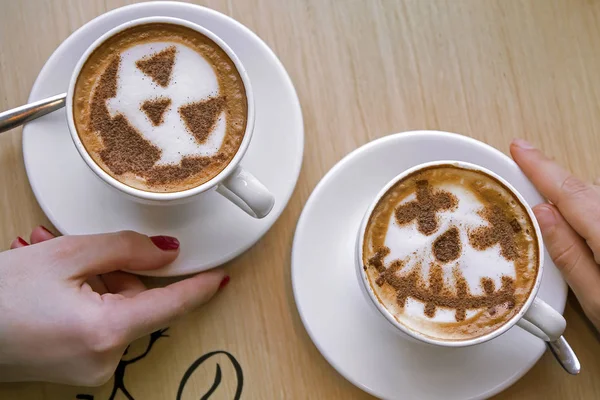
(489, 69)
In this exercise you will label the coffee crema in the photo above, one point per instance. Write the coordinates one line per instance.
(160, 107)
(451, 253)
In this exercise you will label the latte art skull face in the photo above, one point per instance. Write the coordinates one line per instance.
(190, 79)
(451, 253)
(160, 107)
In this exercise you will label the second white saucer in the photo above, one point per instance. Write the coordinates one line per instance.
(212, 231)
(348, 331)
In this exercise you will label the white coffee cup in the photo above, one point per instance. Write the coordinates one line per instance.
(535, 316)
(234, 182)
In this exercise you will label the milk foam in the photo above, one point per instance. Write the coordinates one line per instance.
(193, 79)
(407, 243)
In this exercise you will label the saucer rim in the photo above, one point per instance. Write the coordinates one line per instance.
(302, 221)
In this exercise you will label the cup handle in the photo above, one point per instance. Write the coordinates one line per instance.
(246, 192)
(543, 321)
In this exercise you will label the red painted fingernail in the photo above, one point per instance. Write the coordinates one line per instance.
(165, 242)
(224, 282)
(22, 241)
(46, 229)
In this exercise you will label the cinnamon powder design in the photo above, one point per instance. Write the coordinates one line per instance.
(425, 208)
(435, 293)
(155, 109)
(502, 231)
(159, 66)
(200, 118)
(126, 150)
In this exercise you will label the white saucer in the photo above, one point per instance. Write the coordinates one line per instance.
(356, 340)
(212, 230)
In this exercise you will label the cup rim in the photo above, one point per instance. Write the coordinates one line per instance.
(413, 333)
(158, 196)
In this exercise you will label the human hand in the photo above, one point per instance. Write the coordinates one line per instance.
(67, 312)
(570, 225)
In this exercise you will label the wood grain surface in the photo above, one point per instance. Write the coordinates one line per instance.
(490, 69)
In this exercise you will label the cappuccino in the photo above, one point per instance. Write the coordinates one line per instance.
(451, 253)
(160, 107)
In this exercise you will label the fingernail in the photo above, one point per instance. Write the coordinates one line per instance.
(22, 241)
(224, 282)
(545, 216)
(46, 229)
(165, 242)
(524, 144)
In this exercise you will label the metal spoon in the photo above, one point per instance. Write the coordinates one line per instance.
(565, 355)
(18, 116)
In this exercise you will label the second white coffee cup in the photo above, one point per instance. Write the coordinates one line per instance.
(535, 316)
(233, 182)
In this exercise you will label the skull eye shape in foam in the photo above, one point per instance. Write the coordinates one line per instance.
(199, 117)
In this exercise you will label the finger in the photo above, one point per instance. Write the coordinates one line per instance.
(156, 308)
(570, 254)
(123, 283)
(18, 242)
(578, 201)
(98, 254)
(40, 234)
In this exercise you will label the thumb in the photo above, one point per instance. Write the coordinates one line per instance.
(570, 254)
(156, 308)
